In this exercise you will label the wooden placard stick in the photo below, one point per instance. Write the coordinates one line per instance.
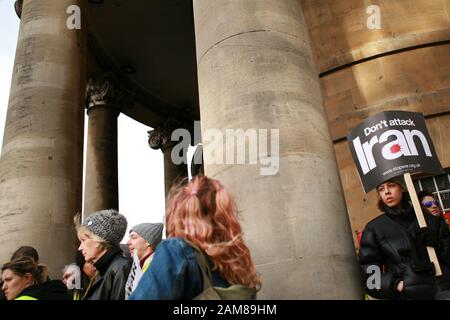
(421, 219)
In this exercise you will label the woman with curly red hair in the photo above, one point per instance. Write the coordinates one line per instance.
(201, 214)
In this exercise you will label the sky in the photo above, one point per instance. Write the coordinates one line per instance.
(141, 169)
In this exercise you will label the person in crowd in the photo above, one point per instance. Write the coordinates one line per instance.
(79, 277)
(23, 251)
(201, 214)
(24, 279)
(143, 240)
(429, 202)
(100, 235)
(393, 255)
(26, 251)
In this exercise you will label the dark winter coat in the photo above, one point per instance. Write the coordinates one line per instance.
(2, 294)
(49, 290)
(396, 244)
(113, 269)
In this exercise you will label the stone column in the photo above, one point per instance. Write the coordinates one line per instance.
(42, 155)
(160, 138)
(103, 107)
(256, 71)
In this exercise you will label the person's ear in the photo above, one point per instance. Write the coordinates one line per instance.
(28, 279)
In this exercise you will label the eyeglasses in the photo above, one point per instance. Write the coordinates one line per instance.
(428, 204)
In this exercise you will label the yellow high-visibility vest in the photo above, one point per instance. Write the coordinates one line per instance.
(25, 298)
(146, 265)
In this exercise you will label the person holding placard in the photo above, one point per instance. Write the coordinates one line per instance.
(393, 254)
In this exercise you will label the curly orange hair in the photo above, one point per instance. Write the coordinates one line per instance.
(203, 212)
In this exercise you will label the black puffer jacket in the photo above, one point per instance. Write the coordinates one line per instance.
(2, 294)
(49, 290)
(396, 244)
(113, 269)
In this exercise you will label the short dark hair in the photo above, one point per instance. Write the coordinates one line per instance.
(424, 193)
(24, 265)
(26, 251)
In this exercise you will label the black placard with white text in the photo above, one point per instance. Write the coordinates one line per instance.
(391, 143)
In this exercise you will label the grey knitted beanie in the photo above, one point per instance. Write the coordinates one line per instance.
(398, 180)
(109, 225)
(151, 232)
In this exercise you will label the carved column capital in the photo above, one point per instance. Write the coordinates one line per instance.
(18, 7)
(159, 138)
(104, 91)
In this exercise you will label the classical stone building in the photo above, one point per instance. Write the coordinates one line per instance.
(405, 65)
(312, 69)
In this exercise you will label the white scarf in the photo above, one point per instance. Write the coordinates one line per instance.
(134, 277)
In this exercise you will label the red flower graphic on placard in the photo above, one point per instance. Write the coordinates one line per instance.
(395, 148)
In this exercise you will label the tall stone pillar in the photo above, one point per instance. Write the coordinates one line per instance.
(103, 108)
(42, 155)
(256, 71)
(160, 138)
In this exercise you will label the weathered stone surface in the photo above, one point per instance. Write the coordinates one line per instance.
(256, 71)
(416, 80)
(160, 138)
(42, 155)
(103, 108)
(340, 34)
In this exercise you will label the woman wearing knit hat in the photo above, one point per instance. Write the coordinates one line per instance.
(393, 245)
(142, 243)
(100, 235)
(204, 247)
